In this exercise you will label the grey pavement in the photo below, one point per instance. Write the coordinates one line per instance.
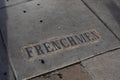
(42, 36)
(108, 11)
(104, 67)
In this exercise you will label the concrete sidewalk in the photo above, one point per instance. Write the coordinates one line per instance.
(60, 40)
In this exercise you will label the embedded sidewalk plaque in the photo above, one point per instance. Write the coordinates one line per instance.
(60, 44)
(56, 33)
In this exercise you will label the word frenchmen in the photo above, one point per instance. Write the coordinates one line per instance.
(57, 44)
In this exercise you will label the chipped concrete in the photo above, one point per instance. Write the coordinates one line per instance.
(73, 72)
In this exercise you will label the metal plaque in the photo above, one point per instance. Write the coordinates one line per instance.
(56, 33)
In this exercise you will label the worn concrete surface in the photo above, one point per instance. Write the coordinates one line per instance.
(59, 18)
(104, 67)
(31, 22)
(73, 72)
(108, 11)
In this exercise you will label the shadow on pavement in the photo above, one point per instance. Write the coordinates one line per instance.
(115, 10)
(4, 62)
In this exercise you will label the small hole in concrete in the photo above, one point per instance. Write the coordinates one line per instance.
(7, 0)
(60, 76)
(29, 0)
(24, 11)
(41, 21)
(5, 73)
(42, 61)
(38, 4)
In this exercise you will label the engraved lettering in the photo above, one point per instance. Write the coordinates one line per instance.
(29, 51)
(95, 36)
(64, 43)
(56, 45)
(79, 39)
(87, 36)
(72, 41)
(38, 49)
(48, 47)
